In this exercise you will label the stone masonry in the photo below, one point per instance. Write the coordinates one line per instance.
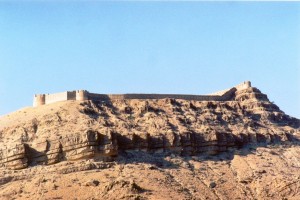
(81, 95)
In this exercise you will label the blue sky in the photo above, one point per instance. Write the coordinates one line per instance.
(149, 47)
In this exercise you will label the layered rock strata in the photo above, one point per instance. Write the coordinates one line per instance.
(78, 130)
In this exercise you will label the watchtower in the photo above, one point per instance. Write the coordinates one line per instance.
(81, 95)
(38, 100)
(247, 84)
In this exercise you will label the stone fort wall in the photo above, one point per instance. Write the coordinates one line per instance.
(41, 99)
(80, 95)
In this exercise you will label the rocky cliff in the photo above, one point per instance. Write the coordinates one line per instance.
(108, 131)
(73, 130)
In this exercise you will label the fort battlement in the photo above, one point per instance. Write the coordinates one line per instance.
(81, 95)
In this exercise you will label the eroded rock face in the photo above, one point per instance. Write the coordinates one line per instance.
(15, 157)
(74, 131)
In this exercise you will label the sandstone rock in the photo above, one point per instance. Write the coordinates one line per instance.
(103, 129)
(14, 158)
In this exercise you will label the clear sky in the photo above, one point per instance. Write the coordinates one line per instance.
(149, 47)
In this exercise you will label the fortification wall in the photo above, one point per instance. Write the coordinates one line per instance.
(51, 98)
(244, 85)
(219, 93)
(229, 94)
(162, 96)
(104, 97)
(71, 95)
(241, 86)
(224, 95)
(97, 97)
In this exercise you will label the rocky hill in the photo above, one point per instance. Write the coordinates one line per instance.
(245, 148)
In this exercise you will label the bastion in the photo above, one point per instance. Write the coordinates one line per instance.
(82, 95)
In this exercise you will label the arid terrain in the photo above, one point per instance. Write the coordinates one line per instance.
(245, 148)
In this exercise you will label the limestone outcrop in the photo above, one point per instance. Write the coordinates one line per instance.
(75, 130)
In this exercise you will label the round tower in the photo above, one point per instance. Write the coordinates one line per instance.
(247, 84)
(38, 100)
(81, 95)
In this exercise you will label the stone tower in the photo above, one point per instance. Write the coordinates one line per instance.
(244, 85)
(38, 100)
(247, 84)
(81, 95)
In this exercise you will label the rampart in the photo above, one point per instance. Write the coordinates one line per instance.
(81, 95)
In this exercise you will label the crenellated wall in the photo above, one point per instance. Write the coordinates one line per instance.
(81, 95)
(51, 98)
(244, 85)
